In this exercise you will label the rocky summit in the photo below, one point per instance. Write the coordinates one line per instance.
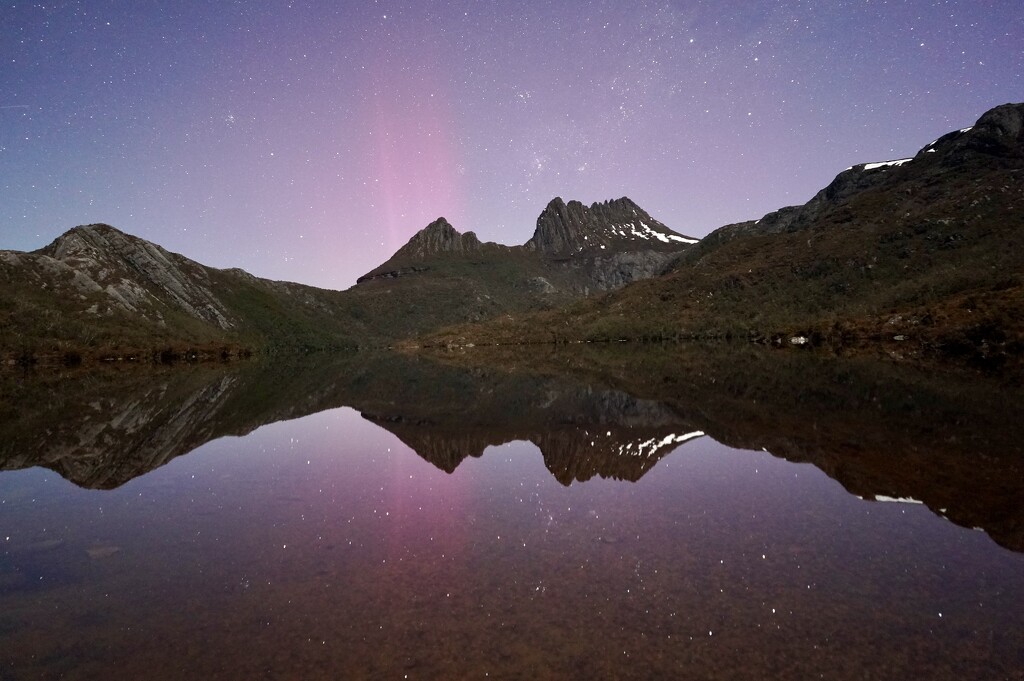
(570, 228)
(442, 277)
(436, 239)
(593, 238)
(439, 237)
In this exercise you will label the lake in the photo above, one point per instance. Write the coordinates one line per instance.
(670, 514)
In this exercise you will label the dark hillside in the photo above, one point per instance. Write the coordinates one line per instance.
(925, 252)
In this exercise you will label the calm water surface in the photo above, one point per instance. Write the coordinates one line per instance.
(323, 547)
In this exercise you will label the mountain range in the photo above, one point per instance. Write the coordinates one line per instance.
(98, 292)
(923, 251)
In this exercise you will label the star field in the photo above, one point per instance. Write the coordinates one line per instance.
(307, 141)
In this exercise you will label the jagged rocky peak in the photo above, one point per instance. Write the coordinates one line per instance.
(439, 237)
(619, 224)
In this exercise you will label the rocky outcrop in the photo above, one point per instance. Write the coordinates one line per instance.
(998, 134)
(438, 237)
(137, 276)
(564, 229)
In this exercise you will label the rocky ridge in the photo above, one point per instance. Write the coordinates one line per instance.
(995, 140)
(925, 247)
(603, 247)
(565, 229)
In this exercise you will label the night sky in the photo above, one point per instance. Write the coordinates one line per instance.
(308, 140)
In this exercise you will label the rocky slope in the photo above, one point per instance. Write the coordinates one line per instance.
(136, 275)
(994, 142)
(925, 252)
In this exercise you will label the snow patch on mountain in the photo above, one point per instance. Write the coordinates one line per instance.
(649, 448)
(886, 164)
(641, 230)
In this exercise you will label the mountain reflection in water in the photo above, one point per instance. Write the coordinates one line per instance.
(735, 561)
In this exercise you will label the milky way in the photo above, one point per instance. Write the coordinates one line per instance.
(307, 141)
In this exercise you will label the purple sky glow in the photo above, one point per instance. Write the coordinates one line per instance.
(308, 140)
